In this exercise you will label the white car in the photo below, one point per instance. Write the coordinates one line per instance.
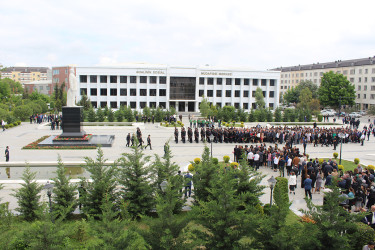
(355, 115)
(327, 112)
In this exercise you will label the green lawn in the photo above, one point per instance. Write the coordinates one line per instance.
(348, 165)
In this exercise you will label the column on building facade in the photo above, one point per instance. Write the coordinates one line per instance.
(128, 90)
(137, 93)
(233, 82)
(251, 93)
(267, 93)
(108, 90)
(118, 91)
(241, 92)
(277, 95)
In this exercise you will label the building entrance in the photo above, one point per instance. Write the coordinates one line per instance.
(181, 106)
(191, 106)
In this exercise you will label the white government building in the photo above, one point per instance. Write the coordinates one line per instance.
(141, 85)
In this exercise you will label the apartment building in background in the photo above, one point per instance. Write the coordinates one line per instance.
(360, 72)
(25, 74)
(60, 75)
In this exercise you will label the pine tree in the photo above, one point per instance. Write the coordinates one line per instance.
(203, 177)
(277, 115)
(28, 196)
(91, 115)
(64, 193)
(111, 115)
(102, 186)
(134, 177)
(100, 115)
(119, 115)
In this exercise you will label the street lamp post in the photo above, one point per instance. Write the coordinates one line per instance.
(49, 188)
(211, 139)
(342, 137)
(271, 182)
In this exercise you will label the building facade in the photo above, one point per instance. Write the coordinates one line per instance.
(183, 88)
(60, 75)
(25, 74)
(360, 72)
(42, 86)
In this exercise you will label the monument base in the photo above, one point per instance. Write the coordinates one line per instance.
(95, 140)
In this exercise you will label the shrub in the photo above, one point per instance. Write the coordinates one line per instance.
(161, 124)
(320, 118)
(234, 164)
(7, 126)
(226, 159)
(341, 167)
(191, 168)
(321, 161)
(11, 125)
(15, 124)
(197, 160)
(371, 167)
(215, 161)
(356, 161)
(19, 122)
(335, 155)
(281, 196)
(364, 234)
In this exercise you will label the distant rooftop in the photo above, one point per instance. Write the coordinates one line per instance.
(328, 65)
(25, 69)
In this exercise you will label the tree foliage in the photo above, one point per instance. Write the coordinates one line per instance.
(334, 87)
(259, 98)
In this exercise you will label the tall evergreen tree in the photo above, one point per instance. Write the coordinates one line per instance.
(64, 193)
(91, 115)
(134, 178)
(101, 187)
(28, 196)
(100, 115)
(111, 115)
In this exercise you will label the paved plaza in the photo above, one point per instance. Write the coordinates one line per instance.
(41, 160)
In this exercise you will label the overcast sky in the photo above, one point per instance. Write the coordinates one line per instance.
(255, 34)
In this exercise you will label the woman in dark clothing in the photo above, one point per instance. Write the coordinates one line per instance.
(313, 178)
(303, 176)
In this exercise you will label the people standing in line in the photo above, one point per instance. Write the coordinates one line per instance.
(292, 183)
(7, 154)
(149, 142)
(307, 183)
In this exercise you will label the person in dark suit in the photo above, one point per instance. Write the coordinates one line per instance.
(7, 154)
(128, 140)
(370, 218)
(308, 185)
(188, 177)
(148, 142)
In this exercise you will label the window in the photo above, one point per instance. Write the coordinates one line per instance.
(345, 72)
(359, 79)
(201, 92)
(228, 93)
(162, 92)
(201, 81)
(297, 75)
(210, 93)
(103, 104)
(113, 92)
(113, 79)
(237, 81)
(360, 71)
(83, 91)
(351, 79)
(162, 80)
(270, 105)
(255, 82)
(153, 92)
(152, 104)
(366, 71)
(372, 96)
(123, 79)
(41, 88)
(210, 81)
(272, 82)
(315, 80)
(364, 96)
(142, 105)
(123, 92)
(237, 105)
(103, 79)
(228, 81)
(352, 71)
(253, 94)
(365, 87)
(365, 79)
(315, 73)
(94, 79)
(297, 80)
(162, 105)
(143, 92)
(359, 87)
(143, 79)
(372, 88)
(113, 105)
(133, 105)
(133, 92)
(359, 96)
(219, 81)
(103, 92)
(153, 80)
(264, 93)
(246, 93)
(228, 104)
(237, 93)
(218, 93)
(133, 79)
(271, 94)
(47, 88)
(246, 82)
(56, 71)
(373, 71)
(264, 82)
(94, 92)
(310, 73)
(245, 106)
(94, 104)
(82, 78)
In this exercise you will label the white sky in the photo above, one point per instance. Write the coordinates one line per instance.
(257, 34)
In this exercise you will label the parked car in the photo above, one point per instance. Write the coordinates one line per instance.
(355, 115)
(362, 112)
(327, 113)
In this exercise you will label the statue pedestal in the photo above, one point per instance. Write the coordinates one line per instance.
(71, 121)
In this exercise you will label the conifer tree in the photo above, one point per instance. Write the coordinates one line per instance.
(111, 115)
(64, 193)
(28, 196)
(102, 185)
(100, 115)
(91, 115)
(134, 178)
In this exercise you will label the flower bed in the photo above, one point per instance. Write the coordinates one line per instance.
(86, 137)
(34, 145)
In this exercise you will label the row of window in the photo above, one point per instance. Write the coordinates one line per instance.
(237, 81)
(345, 72)
(297, 81)
(122, 79)
(228, 93)
(365, 87)
(124, 92)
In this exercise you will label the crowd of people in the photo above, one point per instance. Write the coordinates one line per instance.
(131, 139)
